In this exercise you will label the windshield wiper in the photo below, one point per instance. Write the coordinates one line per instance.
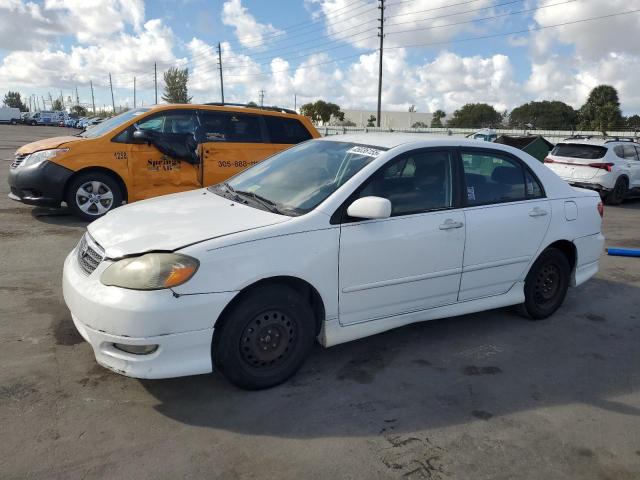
(269, 204)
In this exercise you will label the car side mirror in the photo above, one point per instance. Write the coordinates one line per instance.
(370, 208)
(140, 136)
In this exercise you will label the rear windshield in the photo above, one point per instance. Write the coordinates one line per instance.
(579, 150)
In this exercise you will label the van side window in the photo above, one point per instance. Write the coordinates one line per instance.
(286, 130)
(230, 127)
(492, 179)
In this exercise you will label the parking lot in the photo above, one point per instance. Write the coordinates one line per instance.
(488, 395)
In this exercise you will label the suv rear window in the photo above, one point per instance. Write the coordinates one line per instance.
(286, 130)
(579, 150)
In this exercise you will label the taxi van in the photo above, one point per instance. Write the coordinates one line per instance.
(151, 151)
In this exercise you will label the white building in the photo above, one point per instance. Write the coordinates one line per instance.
(388, 119)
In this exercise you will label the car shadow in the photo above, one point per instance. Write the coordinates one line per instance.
(57, 216)
(437, 373)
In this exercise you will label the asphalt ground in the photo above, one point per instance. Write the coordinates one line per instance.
(483, 396)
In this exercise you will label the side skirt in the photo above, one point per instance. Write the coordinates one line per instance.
(333, 333)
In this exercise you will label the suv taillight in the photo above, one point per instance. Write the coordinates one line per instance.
(601, 209)
(548, 160)
(605, 166)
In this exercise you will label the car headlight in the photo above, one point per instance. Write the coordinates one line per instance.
(152, 271)
(39, 157)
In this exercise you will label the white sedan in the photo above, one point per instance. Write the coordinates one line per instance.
(333, 239)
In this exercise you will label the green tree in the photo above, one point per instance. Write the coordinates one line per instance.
(175, 86)
(419, 125)
(79, 110)
(601, 111)
(13, 100)
(544, 115)
(56, 105)
(371, 122)
(252, 104)
(633, 122)
(475, 115)
(436, 118)
(321, 111)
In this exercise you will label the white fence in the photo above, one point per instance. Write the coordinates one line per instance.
(554, 136)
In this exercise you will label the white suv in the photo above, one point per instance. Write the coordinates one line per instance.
(609, 165)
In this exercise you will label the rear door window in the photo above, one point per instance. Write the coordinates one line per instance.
(579, 150)
(492, 178)
(630, 152)
(286, 130)
(231, 127)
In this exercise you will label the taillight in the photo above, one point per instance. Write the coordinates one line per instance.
(601, 209)
(548, 160)
(603, 166)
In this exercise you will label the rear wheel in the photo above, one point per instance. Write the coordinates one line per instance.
(91, 195)
(265, 338)
(615, 196)
(546, 284)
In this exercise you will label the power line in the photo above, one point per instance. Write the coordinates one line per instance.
(482, 37)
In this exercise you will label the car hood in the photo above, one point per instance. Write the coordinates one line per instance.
(170, 222)
(47, 143)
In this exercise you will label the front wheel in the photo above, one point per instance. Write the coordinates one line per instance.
(265, 338)
(546, 284)
(91, 195)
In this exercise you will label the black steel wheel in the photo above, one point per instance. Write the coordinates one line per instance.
(546, 284)
(264, 338)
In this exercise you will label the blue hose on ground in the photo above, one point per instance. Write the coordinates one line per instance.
(623, 252)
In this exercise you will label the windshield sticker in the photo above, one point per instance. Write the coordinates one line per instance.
(471, 193)
(366, 151)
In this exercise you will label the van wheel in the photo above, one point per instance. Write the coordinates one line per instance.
(34, 123)
(91, 195)
(546, 285)
(265, 338)
(615, 196)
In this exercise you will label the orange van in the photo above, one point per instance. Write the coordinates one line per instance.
(146, 152)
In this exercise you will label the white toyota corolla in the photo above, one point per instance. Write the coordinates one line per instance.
(335, 239)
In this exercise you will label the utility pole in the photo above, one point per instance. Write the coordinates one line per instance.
(155, 79)
(134, 91)
(262, 98)
(62, 99)
(44, 105)
(93, 101)
(77, 96)
(295, 102)
(381, 35)
(220, 67)
(113, 102)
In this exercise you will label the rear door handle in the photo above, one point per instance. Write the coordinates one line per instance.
(450, 224)
(538, 212)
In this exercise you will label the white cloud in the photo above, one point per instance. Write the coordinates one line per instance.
(126, 55)
(26, 26)
(593, 39)
(248, 30)
(406, 23)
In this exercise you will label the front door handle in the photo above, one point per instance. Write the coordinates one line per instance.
(538, 212)
(450, 224)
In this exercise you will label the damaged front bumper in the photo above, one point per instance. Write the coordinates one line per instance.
(172, 335)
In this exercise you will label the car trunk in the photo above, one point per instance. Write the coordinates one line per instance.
(571, 161)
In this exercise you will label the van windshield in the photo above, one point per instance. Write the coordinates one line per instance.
(110, 124)
(297, 180)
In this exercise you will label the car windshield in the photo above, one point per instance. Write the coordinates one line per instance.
(297, 180)
(110, 124)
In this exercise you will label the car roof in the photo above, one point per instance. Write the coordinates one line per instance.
(599, 141)
(395, 139)
(228, 107)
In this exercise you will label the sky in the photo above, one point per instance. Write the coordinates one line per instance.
(439, 54)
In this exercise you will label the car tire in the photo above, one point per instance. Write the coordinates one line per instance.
(33, 124)
(265, 338)
(546, 285)
(617, 194)
(88, 205)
